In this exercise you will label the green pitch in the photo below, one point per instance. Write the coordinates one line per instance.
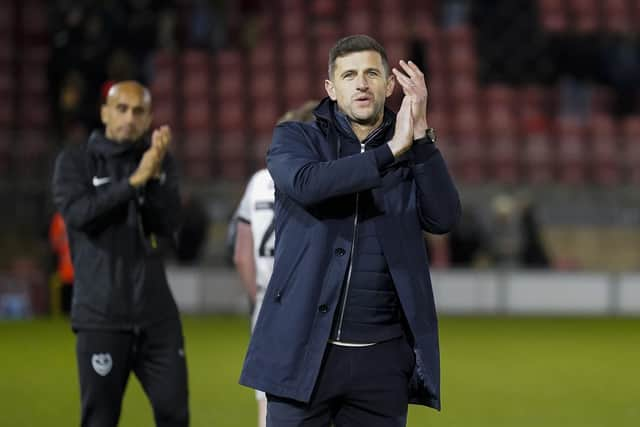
(497, 372)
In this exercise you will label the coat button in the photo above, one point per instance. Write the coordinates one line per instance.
(340, 252)
(278, 296)
(323, 308)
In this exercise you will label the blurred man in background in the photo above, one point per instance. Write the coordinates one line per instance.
(347, 333)
(64, 267)
(255, 237)
(118, 194)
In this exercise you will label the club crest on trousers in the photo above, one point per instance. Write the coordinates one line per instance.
(101, 363)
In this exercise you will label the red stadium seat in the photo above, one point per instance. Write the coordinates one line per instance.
(439, 95)
(586, 15)
(235, 170)
(396, 50)
(230, 61)
(232, 116)
(196, 83)
(264, 118)
(293, 24)
(297, 86)
(604, 159)
(532, 97)
(197, 145)
(31, 153)
(361, 22)
(199, 169)
(617, 16)
(262, 57)
(630, 149)
(296, 54)
(233, 156)
(194, 60)
(164, 113)
(33, 113)
(324, 8)
(501, 122)
(461, 59)
(537, 159)
(7, 49)
(230, 88)
(296, 5)
(7, 115)
(572, 162)
(355, 5)
(469, 166)
(34, 19)
(498, 96)
(394, 28)
(387, 7)
(466, 122)
(553, 16)
(463, 91)
(259, 148)
(232, 145)
(163, 59)
(197, 115)
(33, 80)
(503, 159)
(325, 30)
(424, 27)
(5, 151)
(459, 35)
(264, 87)
(7, 17)
(601, 99)
(163, 84)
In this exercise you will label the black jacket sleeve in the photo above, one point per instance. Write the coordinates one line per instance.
(437, 197)
(74, 195)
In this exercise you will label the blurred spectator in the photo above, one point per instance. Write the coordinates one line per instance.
(534, 254)
(192, 235)
(207, 25)
(467, 239)
(513, 235)
(621, 69)
(64, 269)
(454, 13)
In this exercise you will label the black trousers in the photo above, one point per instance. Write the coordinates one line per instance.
(357, 386)
(156, 356)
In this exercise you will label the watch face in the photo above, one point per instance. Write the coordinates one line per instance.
(431, 134)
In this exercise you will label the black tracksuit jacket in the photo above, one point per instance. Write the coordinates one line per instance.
(114, 233)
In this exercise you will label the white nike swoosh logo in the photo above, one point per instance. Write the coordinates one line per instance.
(100, 181)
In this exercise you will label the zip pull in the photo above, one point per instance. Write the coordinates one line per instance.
(362, 145)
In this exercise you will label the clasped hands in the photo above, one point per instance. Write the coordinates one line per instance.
(150, 165)
(411, 120)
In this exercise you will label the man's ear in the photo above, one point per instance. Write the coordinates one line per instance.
(149, 120)
(391, 84)
(331, 89)
(104, 114)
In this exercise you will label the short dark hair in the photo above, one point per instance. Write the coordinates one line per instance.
(356, 43)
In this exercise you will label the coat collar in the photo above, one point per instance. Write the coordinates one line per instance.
(328, 115)
(100, 144)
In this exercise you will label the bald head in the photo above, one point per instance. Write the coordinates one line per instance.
(130, 87)
(126, 113)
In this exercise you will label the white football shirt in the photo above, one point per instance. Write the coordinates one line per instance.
(256, 209)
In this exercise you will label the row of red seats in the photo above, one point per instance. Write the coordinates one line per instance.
(589, 16)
